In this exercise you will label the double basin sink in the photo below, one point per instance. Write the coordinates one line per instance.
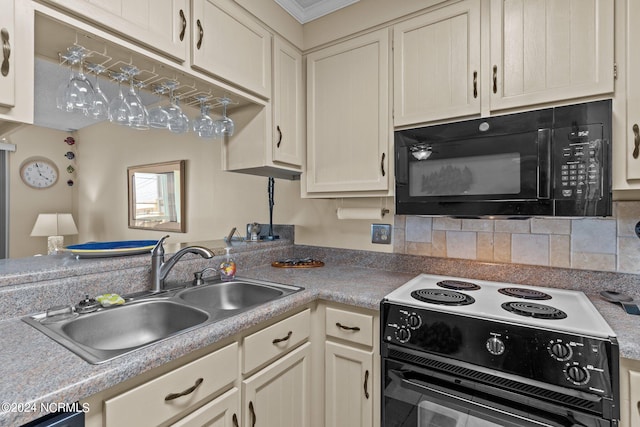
(108, 333)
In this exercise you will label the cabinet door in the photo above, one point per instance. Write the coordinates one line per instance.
(550, 50)
(220, 412)
(7, 57)
(158, 24)
(436, 60)
(349, 384)
(348, 129)
(288, 108)
(279, 395)
(228, 43)
(631, 133)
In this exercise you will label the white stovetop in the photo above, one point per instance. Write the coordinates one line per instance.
(582, 317)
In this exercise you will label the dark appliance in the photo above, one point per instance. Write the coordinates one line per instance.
(551, 162)
(474, 353)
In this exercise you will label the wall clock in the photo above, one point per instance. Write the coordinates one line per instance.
(39, 172)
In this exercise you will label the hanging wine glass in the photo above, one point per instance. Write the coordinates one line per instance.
(79, 93)
(61, 101)
(138, 115)
(177, 121)
(158, 117)
(100, 108)
(225, 124)
(204, 125)
(118, 108)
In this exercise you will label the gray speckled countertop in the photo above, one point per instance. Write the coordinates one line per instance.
(35, 369)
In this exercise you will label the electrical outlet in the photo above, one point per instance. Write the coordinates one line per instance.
(381, 233)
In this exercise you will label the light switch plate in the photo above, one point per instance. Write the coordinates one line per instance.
(381, 233)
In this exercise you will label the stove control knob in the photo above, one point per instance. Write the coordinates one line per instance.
(403, 335)
(577, 374)
(414, 321)
(495, 346)
(560, 351)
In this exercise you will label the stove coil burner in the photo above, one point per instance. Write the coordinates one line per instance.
(442, 297)
(458, 285)
(530, 309)
(524, 293)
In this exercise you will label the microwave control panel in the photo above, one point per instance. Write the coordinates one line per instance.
(578, 161)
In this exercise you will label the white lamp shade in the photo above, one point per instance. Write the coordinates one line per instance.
(57, 224)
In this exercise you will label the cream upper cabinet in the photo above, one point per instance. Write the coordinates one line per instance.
(162, 25)
(627, 134)
(280, 394)
(550, 50)
(436, 62)
(16, 59)
(348, 120)
(288, 104)
(7, 67)
(228, 43)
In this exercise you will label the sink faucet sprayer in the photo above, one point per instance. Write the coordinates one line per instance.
(160, 269)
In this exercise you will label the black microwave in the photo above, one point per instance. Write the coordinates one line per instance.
(549, 162)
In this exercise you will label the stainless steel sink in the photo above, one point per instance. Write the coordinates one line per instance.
(133, 325)
(142, 321)
(234, 295)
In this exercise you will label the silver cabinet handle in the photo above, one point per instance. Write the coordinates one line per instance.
(6, 52)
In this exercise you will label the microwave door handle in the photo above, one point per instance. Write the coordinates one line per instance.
(544, 163)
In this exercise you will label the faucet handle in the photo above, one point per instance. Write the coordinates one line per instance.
(158, 249)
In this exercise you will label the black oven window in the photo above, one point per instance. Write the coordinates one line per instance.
(489, 174)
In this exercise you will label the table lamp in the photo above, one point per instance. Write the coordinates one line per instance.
(54, 226)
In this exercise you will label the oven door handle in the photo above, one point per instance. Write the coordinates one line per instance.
(422, 388)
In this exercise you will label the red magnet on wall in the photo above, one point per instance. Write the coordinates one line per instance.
(69, 140)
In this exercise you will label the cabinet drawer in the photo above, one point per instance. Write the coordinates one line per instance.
(275, 340)
(125, 409)
(350, 326)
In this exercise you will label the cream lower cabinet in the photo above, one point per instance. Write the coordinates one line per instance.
(162, 25)
(545, 51)
(348, 118)
(280, 394)
(351, 368)
(349, 378)
(629, 393)
(177, 392)
(221, 412)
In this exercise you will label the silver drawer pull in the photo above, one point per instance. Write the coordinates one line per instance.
(347, 328)
(172, 396)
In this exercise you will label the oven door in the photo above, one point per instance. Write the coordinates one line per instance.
(416, 397)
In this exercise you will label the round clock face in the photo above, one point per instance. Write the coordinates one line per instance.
(39, 172)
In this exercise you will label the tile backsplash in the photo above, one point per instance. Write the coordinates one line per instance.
(604, 244)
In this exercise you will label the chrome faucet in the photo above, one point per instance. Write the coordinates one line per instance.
(160, 269)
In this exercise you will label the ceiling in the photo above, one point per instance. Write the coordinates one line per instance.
(308, 10)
